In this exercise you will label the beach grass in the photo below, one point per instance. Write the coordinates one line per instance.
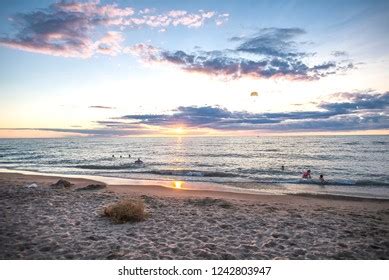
(126, 211)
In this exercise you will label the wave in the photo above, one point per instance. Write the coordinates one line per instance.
(380, 142)
(108, 167)
(266, 171)
(204, 165)
(371, 183)
(228, 155)
(8, 162)
(351, 143)
(269, 150)
(11, 154)
(29, 157)
(62, 161)
(194, 173)
(339, 182)
(244, 174)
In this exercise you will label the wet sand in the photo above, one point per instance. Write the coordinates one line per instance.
(43, 222)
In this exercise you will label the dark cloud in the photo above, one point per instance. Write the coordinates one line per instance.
(103, 132)
(339, 53)
(275, 42)
(120, 125)
(271, 53)
(94, 132)
(233, 67)
(236, 38)
(357, 111)
(358, 102)
(101, 107)
(351, 111)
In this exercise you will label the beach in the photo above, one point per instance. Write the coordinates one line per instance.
(44, 222)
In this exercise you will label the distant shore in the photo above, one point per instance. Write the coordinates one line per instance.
(42, 222)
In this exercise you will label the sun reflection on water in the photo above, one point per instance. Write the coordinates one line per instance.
(178, 184)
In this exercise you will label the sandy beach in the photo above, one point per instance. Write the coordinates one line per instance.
(43, 222)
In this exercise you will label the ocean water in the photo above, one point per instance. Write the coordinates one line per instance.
(351, 165)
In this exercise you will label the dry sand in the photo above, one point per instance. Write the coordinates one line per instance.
(48, 223)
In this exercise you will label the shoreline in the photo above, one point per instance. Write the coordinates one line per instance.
(43, 222)
(169, 191)
(194, 186)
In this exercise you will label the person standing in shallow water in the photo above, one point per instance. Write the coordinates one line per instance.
(307, 174)
(321, 178)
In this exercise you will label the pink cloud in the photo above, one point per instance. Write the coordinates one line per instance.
(94, 9)
(110, 43)
(48, 48)
(147, 11)
(69, 29)
(147, 53)
(174, 17)
(177, 13)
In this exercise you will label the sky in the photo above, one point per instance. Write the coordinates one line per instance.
(193, 68)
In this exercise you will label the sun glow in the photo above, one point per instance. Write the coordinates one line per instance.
(178, 184)
(179, 130)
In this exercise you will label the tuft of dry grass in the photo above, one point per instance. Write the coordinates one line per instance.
(126, 211)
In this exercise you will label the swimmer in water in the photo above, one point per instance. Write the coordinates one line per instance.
(282, 168)
(307, 174)
(321, 178)
(138, 161)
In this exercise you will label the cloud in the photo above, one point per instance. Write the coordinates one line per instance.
(222, 19)
(100, 132)
(69, 29)
(101, 107)
(93, 9)
(110, 43)
(276, 42)
(339, 53)
(144, 51)
(348, 112)
(91, 132)
(147, 11)
(356, 111)
(270, 53)
(357, 102)
(65, 29)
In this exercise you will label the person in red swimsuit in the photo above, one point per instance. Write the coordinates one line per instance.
(307, 174)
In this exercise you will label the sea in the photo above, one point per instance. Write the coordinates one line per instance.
(351, 165)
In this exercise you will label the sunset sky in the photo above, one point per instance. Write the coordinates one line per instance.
(130, 68)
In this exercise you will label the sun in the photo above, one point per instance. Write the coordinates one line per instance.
(179, 130)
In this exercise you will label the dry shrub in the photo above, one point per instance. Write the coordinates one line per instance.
(61, 183)
(126, 211)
